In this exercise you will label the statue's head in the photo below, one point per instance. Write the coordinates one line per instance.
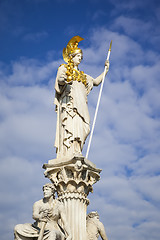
(49, 190)
(93, 215)
(72, 50)
(77, 58)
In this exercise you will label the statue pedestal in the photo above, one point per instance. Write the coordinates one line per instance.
(73, 179)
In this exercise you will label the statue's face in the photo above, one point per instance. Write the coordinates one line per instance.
(47, 191)
(97, 217)
(77, 59)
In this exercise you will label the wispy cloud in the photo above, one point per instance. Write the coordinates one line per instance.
(98, 14)
(38, 36)
(30, 71)
(133, 26)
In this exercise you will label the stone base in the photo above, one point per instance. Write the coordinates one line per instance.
(73, 179)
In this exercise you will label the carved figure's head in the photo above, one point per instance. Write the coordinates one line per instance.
(93, 215)
(77, 58)
(49, 190)
(72, 49)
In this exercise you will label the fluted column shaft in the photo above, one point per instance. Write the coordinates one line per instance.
(75, 204)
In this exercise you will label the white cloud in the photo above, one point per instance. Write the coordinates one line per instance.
(133, 26)
(30, 71)
(20, 188)
(25, 114)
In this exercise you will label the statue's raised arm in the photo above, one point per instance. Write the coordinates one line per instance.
(71, 89)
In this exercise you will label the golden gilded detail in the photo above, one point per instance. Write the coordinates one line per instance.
(68, 52)
(72, 47)
(110, 46)
(74, 75)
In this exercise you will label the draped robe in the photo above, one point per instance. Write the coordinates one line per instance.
(73, 120)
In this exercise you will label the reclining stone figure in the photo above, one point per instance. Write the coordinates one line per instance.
(46, 212)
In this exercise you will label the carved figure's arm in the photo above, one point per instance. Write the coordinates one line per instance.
(61, 75)
(38, 215)
(98, 80)
(36, 212)
(101, 230)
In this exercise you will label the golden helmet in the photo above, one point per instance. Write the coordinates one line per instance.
(72, 47)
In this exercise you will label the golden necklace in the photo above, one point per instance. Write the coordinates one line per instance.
(73, 74)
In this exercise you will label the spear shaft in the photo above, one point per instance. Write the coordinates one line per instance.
(98, 102)
(40, 237)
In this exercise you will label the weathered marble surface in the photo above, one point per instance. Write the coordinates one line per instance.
(46, 212)
(95, 228)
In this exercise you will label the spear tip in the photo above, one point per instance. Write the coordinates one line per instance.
(110, 46)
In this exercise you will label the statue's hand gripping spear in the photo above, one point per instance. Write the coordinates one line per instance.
(99, 97)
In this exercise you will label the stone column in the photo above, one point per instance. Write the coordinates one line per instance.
(73, 180)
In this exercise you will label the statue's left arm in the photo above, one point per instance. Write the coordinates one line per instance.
(102, 232)
(98, 80)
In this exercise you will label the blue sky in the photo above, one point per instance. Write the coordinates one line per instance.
(126, 141)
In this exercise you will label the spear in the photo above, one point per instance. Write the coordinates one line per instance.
(40, 237)
(99, 97)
